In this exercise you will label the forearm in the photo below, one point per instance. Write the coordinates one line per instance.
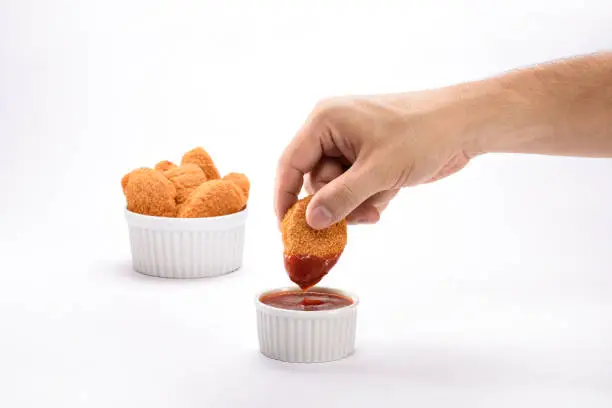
(559, 108)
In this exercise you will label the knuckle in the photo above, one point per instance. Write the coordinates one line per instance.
(289, 157)
(329, 110)
(282, 166)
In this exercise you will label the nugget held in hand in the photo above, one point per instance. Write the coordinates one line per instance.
(201, 158)
(185, 178)
(165, 165)
(212, 199)
(241, 181)
(148, 192)
(310, 254)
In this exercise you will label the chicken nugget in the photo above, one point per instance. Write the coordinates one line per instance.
(213, 198)
(241, 181)
(148, 192)
(200, 157)
(310, 254)
(185, 178)
(165, 165)
(125, 179)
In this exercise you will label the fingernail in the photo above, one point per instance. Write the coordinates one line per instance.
(366, 221)
(320, 217)
(363, 220)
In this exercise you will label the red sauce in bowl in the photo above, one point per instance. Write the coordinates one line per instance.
(311, 300)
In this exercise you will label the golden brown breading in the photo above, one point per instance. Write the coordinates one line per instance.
(212, 199)
(241, 181)
(186, 179)
(124, 180)
(165, 165)
(149, 192)
(300, 239)
(200, 157)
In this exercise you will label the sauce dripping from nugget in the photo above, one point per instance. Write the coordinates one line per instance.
(310, 254)
(307, 270)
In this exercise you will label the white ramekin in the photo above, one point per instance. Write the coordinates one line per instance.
(298, 336)
(186, 247)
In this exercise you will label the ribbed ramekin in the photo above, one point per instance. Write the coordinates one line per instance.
(186, 247)
(298, 336)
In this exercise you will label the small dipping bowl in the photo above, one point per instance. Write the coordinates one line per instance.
(306, 336)
(186, 247)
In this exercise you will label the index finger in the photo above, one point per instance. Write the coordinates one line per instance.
(299, 158)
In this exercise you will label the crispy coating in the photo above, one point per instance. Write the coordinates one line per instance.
(148, 192)
(125, 179)
(185, 178)
(165, 165)
(212, 199)
(124, 182)
(241, 181)
(300, 239)
(200, 157)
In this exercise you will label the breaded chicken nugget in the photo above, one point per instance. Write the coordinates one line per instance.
(165, 165)
(186, 179)
(241, 181)
(212, 199)
(200, 157)
(309, 253)
(148, 192)
(124, 180)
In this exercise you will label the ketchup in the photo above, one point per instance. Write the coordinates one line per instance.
(308, 301)
(307, 270)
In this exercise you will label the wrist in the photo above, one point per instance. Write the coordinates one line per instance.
(496, 116)
(476, 117)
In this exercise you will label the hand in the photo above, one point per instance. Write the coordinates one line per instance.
(355, 153)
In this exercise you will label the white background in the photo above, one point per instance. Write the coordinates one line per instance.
(492, 288)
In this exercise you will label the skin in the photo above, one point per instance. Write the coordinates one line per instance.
(355, 153)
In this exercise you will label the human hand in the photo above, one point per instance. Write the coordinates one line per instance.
(355, 153)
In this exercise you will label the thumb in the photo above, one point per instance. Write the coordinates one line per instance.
(341, 196)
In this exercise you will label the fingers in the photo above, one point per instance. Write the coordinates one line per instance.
(341, 196)
(364, 214)
(369, 212)
(299, 158)
(325, 171)
(381, 200)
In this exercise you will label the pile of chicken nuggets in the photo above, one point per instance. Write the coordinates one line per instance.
(195, 189)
